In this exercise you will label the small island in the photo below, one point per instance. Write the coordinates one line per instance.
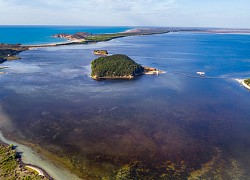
(118, 66)
(101, 52)
(244, 82)
(247, 81)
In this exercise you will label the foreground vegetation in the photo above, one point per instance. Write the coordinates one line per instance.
(115, 66)
(11, 167)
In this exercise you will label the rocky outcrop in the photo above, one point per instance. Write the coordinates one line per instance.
(61, 35)
(79, 35)
(10, 51)
(152, 71)
(100, 52)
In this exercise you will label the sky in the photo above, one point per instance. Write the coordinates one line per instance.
(178, 13)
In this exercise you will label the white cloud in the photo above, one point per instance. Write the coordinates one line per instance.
(91, 12)
(93, 5)
(227, 13)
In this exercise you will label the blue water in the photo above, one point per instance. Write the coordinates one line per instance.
(42, 34)
(49, 99)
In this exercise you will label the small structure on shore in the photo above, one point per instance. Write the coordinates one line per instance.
(201, 73)
(101, 52)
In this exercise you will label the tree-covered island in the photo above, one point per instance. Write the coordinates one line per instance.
(117, 66)
(246, 83)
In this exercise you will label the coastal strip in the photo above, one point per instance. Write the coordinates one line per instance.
(10, 51)
(87, 38)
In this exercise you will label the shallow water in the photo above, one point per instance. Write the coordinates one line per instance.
(49, 99)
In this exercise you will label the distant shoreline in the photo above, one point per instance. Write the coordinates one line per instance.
(75, 39)
(10, 51)
(95, 38)
(139, 32)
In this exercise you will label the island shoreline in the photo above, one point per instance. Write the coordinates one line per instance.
(242, 82)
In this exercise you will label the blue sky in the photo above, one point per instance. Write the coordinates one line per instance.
(182, 13)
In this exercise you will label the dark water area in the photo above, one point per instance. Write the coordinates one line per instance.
(153, 127)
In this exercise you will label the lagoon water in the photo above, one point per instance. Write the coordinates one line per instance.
(43, 34)
(163, 126)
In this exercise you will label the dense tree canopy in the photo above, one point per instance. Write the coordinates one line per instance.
(115, 66)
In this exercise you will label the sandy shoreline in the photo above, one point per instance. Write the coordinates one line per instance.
(38, 170)
(69, 42)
